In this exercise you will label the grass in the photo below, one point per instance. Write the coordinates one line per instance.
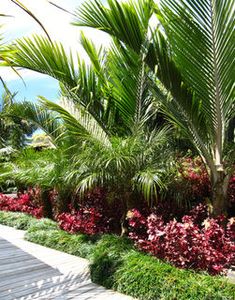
(107, 258)
(79, 244)
(17, 220)
(116, 264)
(148, 278)
(42, 224)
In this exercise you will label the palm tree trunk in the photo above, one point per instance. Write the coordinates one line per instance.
(219, 193)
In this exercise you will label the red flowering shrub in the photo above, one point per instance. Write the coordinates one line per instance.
(21, 204)
(105, 203)
(231, 229)
(85, 220)
(186, 244)
(199, 213)
(192, 184)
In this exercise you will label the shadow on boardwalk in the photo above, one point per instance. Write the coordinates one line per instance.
(23, 276)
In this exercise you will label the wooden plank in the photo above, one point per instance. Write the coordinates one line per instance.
(15, 281)
(13, 259)
(68, 293)
(21, 270)
(86, 294)
(29, 271)
(48, 289)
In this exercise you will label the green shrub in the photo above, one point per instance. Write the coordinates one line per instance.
(115, 263)
(79, 245)
(107, 257)
(17, 220)
(42, 224)
(147, 278)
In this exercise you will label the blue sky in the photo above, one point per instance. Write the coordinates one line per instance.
(58, 25)
(33, 87)
(44, 86)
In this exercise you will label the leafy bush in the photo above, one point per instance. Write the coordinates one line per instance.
(115, 264)
(42, 224)
(192, 182)
(186, 244)
(85, 220)
(79, 245)
(107, 257)
(17, 220)
(21, 204)
(148, 278)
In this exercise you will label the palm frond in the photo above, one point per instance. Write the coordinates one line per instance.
(40, 117)
(29, 12)
(127, 21)
(202, 38)
(40, 55)
(96, 55)
(78, 120)
(149, 182)
(128, 76)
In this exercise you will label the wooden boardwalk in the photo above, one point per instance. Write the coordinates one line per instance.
(29, 271)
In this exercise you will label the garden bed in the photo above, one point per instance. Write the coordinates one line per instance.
(116, 264)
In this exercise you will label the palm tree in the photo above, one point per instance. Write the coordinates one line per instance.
(86, 156)
(192, 54)
(115, 146)
(13, 130)
(193, 83)
(46, 170)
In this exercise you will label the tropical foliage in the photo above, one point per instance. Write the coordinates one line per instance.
(126, 123)
(13, 130)
(191, 82)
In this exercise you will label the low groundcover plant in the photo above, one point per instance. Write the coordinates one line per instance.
(116, 264)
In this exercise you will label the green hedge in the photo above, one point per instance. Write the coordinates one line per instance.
(17, 220)
(107, 258)
(147, 278)
(79, 245)
(116, 264)
(42, 224)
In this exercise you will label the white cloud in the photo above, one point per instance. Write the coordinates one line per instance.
(56, 22)
(9, 75)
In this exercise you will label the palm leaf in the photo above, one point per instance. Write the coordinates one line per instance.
(40, 117)
(78, 120)
(40, 55)
(97, 56)
(202, 38)
(148, 182)
(24, 8)
(127, 21)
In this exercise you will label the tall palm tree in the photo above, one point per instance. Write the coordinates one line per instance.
(191, 57)
(115, 146)
(194, 57)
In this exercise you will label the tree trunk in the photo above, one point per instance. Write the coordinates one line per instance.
(127, 206)
(124, 224)
(219, 194)
(46, 204)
